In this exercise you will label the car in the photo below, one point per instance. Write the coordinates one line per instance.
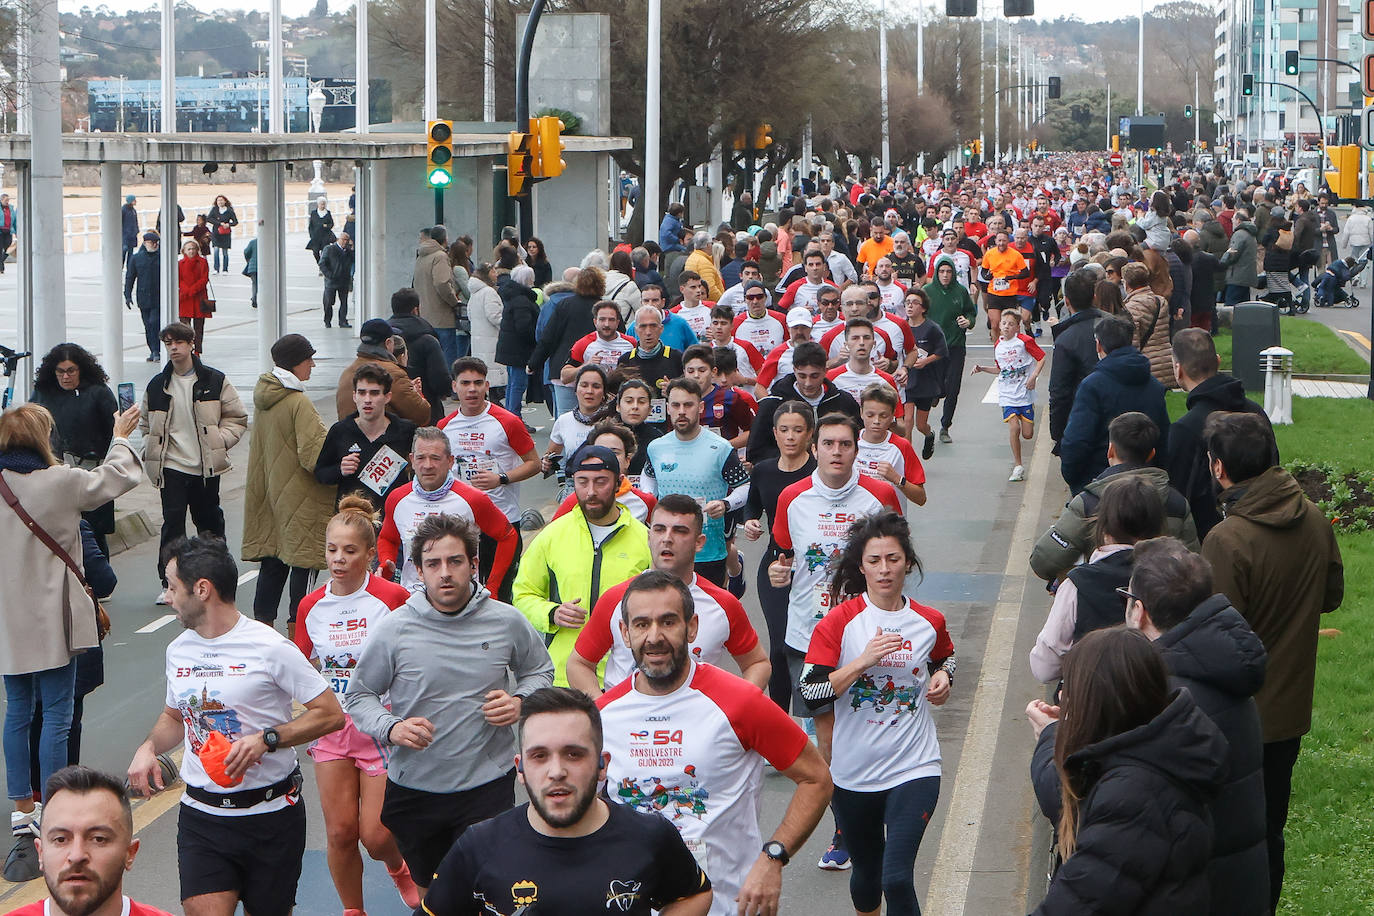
(1205, 162)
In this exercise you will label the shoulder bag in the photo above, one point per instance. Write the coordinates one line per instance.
(102, 619)
(207, 300)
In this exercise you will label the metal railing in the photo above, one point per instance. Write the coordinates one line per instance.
(81, 231)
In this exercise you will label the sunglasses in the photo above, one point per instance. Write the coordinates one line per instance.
(875, 295)
(830, 302)
(755, 297)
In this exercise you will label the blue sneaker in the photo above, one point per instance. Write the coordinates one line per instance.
(835, 858)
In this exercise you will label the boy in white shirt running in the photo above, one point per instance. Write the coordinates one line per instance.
(1019, 361)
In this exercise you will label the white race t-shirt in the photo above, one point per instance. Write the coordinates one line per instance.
(333, 628)
(238, 684)
(897, 452)
(696, 757)
(1015, 359)
(493, 440)
(405, 511)
(884, 735)
(698, 317)
(854, 383)
(604, 353)
(569, 432)
(764, 333)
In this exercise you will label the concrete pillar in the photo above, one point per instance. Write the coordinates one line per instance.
(271, 278)
(170, 244)
(376, 232)
(112, 273)
(23, 184)
(363, 299)
(44, 227)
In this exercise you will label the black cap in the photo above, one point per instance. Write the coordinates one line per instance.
(375, 331)
(593, 458)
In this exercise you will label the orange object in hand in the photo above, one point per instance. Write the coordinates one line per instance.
(212, 754)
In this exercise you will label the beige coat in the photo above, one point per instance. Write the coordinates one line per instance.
(434, 285)
(1145, 308)
(45, 616)
(285, 508)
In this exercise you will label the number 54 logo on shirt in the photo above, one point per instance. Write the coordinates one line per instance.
(659, 736)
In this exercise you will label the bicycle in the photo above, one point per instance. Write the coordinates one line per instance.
(9, 362)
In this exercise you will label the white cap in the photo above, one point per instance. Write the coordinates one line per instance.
(800, 315)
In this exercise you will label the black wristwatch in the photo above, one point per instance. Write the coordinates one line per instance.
(776, 851)
(504, 478)
(271, 739)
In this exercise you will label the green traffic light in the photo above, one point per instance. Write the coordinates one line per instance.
(440, 178)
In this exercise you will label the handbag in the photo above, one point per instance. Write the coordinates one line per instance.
(1285, 240)
(207, 304)
(102, 618)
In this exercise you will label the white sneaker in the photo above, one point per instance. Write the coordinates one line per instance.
(1018, 474)
(26, 823)
(163, 598)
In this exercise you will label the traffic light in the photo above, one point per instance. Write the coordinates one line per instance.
(1290, 63)
(977, 147)
(439, 156)
(1187, 111)
(1013, 8)
(1116, 143)
(1247, 84)
(548, 154)
(961, 8)
(519, 159)
(763, 136)
(1053, 87)
(968, 150)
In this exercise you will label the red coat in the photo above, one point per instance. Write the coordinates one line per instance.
(193, 276)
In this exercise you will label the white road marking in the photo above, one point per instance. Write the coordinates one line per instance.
(949, 879)
(248, 577)
(156, 624)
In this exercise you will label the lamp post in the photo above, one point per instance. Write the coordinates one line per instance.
(315, 102)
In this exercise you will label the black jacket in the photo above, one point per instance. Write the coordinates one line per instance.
(336, 264)
(1121, 382)
(572, 319)
(519, 315)
(1204, 291)
(425, 361)
(320, 229)
(1305, 231)
(1075, 355)
(762, 444)
(1221, 661)
(344, 435)
(1186, 460)
(1144, 834)
(145, 267)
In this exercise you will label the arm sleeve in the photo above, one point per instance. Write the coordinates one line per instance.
(100, 575)
(743, 637)
(679, 875)
(371, 679)
(129, 276)
(1227, 576)
(389, 538)
(531, 664)
(736, 477)
(451, 892)
(327, 465)
(301, 637)
(233, 418)
(492, 522)
(1059, 548)
(1056, 636)
(1335, 575)
(822, 660)
(310, 433)
(1044, 777)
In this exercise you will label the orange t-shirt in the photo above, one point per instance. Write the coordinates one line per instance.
(873, 251)
(1003, 265)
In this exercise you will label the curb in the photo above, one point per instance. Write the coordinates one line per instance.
(131, 529)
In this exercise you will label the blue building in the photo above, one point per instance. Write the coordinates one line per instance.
(235, 104)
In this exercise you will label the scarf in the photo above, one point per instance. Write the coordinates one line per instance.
(434, 496)
(649, 354)
(22, 461)
(590, 419)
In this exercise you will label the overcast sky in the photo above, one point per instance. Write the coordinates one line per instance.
(1045, 9)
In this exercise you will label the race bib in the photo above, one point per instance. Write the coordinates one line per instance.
(820, 600)
(658, 410)
(338, 679)
(476, 464)
(382, 471)
(1001, 285)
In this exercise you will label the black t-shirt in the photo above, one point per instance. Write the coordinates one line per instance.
(766, 483)
(909, 269)
(636, 862)
(644, 434)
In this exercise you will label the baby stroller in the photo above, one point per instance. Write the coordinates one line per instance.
(1331, 287)
(1287, 291)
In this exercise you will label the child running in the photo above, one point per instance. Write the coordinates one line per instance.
(1019, 361)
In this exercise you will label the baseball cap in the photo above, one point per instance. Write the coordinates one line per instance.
(593, 458)
(375, 331)
(798, 316)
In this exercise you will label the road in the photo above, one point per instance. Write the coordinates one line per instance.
(973, 536)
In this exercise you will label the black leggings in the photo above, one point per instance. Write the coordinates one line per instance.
(774, 604)
(272, 579)
(883, 831)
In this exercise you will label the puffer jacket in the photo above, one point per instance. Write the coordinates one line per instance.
(701, 262)
(221, 420)
(623, 291)
(1075, 355)
(1150, 315)
(1074, 534)
(285, 508)
(1119, 383)
(1144, 835)
(770, 263)
(1219, 659)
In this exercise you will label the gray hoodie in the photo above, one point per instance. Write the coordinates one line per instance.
(441, 667)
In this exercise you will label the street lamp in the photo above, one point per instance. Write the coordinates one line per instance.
(315, 102)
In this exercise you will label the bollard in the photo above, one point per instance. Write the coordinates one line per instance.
(1277, 365)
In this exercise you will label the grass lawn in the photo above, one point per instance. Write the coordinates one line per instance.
(1317, 350)
(1338, 432)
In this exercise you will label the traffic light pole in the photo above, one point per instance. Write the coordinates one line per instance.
(1313, 105)
(522, 104)
(438, 206)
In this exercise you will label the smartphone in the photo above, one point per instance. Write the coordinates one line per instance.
(126, 396)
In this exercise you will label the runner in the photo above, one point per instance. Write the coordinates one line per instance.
(445, 660)
(924, 369)
(85, 846)
(827, 314)
(1019, 360)
(570, 430)
(493, 448)
(364, 454)
(733, 298)
(604, 346)
(890, 288)
(231, 682)
(759, 327)
(854, 303)
(653, 361)
(675, 535)
(725, 410)
(794, 422)
(858, 371)
(803, 291)
(332, 626)
(884, 455)
(689, 740)
(633, 404)
(1005, 269)
(690, 307)
(434, 491)
(880, 649)
(613, 435)
(723, 338)
(568, 852)
(808, 384)
(799, 330)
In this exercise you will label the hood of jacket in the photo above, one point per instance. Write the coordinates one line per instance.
(1273, 499)
(419, 602)
(1181, 742)
(377, 352)
(1245, 226)
(269, 392)
(1215, 646)
(1157, 478)
(1088, 315)
(1126, 365)
(429, 246)
(1220, 392)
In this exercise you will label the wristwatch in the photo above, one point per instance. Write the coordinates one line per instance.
(271, 739)
(504, 478)
(776, 851)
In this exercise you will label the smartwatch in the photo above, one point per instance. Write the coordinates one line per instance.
(271, 739)
(776, 851)
(504, 478)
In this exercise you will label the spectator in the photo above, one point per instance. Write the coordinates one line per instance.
(572, 319)
(143, 281)
(319, 230)
(485, 311)
(1239, 258)
(670, 230)
(515, 341)
(619, 285)
(424, 357)
(1121, 382)
(806, 383)
(701, 262)
(250, 268)
(222, 220)
(336, 266)
(1075, 348)
(193, 281)
(434, 284)
(1275, 557)
(645, 271)
(128, 228)
(1149, 312)
(376, 347)
(1203, 294)
(459, 259)
(538, 258)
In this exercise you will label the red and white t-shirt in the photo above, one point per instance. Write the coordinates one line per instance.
(405, 511)
(493, 440)
(129, 908)
(696, 757)
(723, 630)
(778, 363)
(898, 333)
(1015, 360)
(748, 357)
(884, 735)
(894, 297)
(604, 353)
(847, 379)
(763, 333)
(820, 325)
(334, 627)
(698, 317)
(832, 342)
(812, 523)
(897, 452)
(801, 292)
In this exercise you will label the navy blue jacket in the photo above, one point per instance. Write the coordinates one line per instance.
(1120, 383)
(128, 217)
(145, 268)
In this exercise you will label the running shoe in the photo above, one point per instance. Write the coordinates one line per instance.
(928, 450)
(1018, 474)
(835, 858)
(945, 437)
(736, 585)
(405, 886)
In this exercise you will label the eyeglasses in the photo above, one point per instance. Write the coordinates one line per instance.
(74, 370)
(1127, 595)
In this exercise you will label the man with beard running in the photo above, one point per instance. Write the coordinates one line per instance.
(689, 740)
(86, 845)
(567, 852)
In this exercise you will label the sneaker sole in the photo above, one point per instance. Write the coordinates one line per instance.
(830, 866)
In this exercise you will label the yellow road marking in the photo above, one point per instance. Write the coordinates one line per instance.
(1357, 337)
